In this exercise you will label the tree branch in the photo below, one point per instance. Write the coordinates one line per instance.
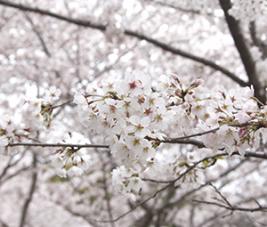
(187, 55)
(102, 27)
(233, 208)
(187, 140)
(16, 173)
(28, 200)
(227, 205)
(38, 35)
(57, 145)
(54, 15)
(183, 10)
(243, 50)
(248, 154)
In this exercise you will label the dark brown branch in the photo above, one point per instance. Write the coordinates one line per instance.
(187, 55)
(54, 15)
(28, 200)
(197, 143)
(137, 35)
(248, 154)
(57, 145)
(243, 50)
(261, 155)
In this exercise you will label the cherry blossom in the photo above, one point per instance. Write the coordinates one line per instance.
(133, 113)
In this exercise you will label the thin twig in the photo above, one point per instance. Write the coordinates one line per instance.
(221, 195)
(16, 173)
(183, 138)
(233, 208)
(58, 145)
(9, 165)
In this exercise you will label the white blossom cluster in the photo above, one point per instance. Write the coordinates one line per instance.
(248, 10)
(137, 115)
(70, 162)
(131, 116)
